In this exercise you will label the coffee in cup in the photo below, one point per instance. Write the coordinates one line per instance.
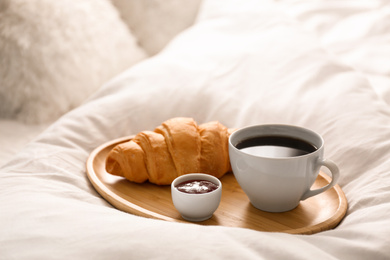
(276, 165)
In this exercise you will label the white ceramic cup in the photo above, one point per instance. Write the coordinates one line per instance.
(196, 207)
(278, 184)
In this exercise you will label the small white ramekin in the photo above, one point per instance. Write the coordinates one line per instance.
(196, 207)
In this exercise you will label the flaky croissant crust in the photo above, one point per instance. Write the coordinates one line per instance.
(176, 147)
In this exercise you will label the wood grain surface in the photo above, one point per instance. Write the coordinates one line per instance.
(318, 213)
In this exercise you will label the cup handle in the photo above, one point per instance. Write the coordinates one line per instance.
(335, 176)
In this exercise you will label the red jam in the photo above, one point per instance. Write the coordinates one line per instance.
(196, 186)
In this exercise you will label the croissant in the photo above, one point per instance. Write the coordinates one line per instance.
(176, 147)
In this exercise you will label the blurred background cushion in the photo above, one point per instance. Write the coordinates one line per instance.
(54, 54)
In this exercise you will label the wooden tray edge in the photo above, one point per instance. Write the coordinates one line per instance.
(332, 222)
(120, 203)
(113, 198)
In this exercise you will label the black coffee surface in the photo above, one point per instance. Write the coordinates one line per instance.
(276, 146)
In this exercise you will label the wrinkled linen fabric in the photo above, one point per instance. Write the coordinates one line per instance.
(356, 32)
(242, 63)
(14, 136)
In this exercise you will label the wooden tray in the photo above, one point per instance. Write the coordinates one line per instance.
(318, 213)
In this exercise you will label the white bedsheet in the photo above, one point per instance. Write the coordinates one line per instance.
(356, 32)
(242, 63)
(14, 135)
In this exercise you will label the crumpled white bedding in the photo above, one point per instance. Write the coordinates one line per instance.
(356, 32)
(242, 63)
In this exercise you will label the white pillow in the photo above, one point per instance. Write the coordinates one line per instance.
(54, 54)
(156, 22)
